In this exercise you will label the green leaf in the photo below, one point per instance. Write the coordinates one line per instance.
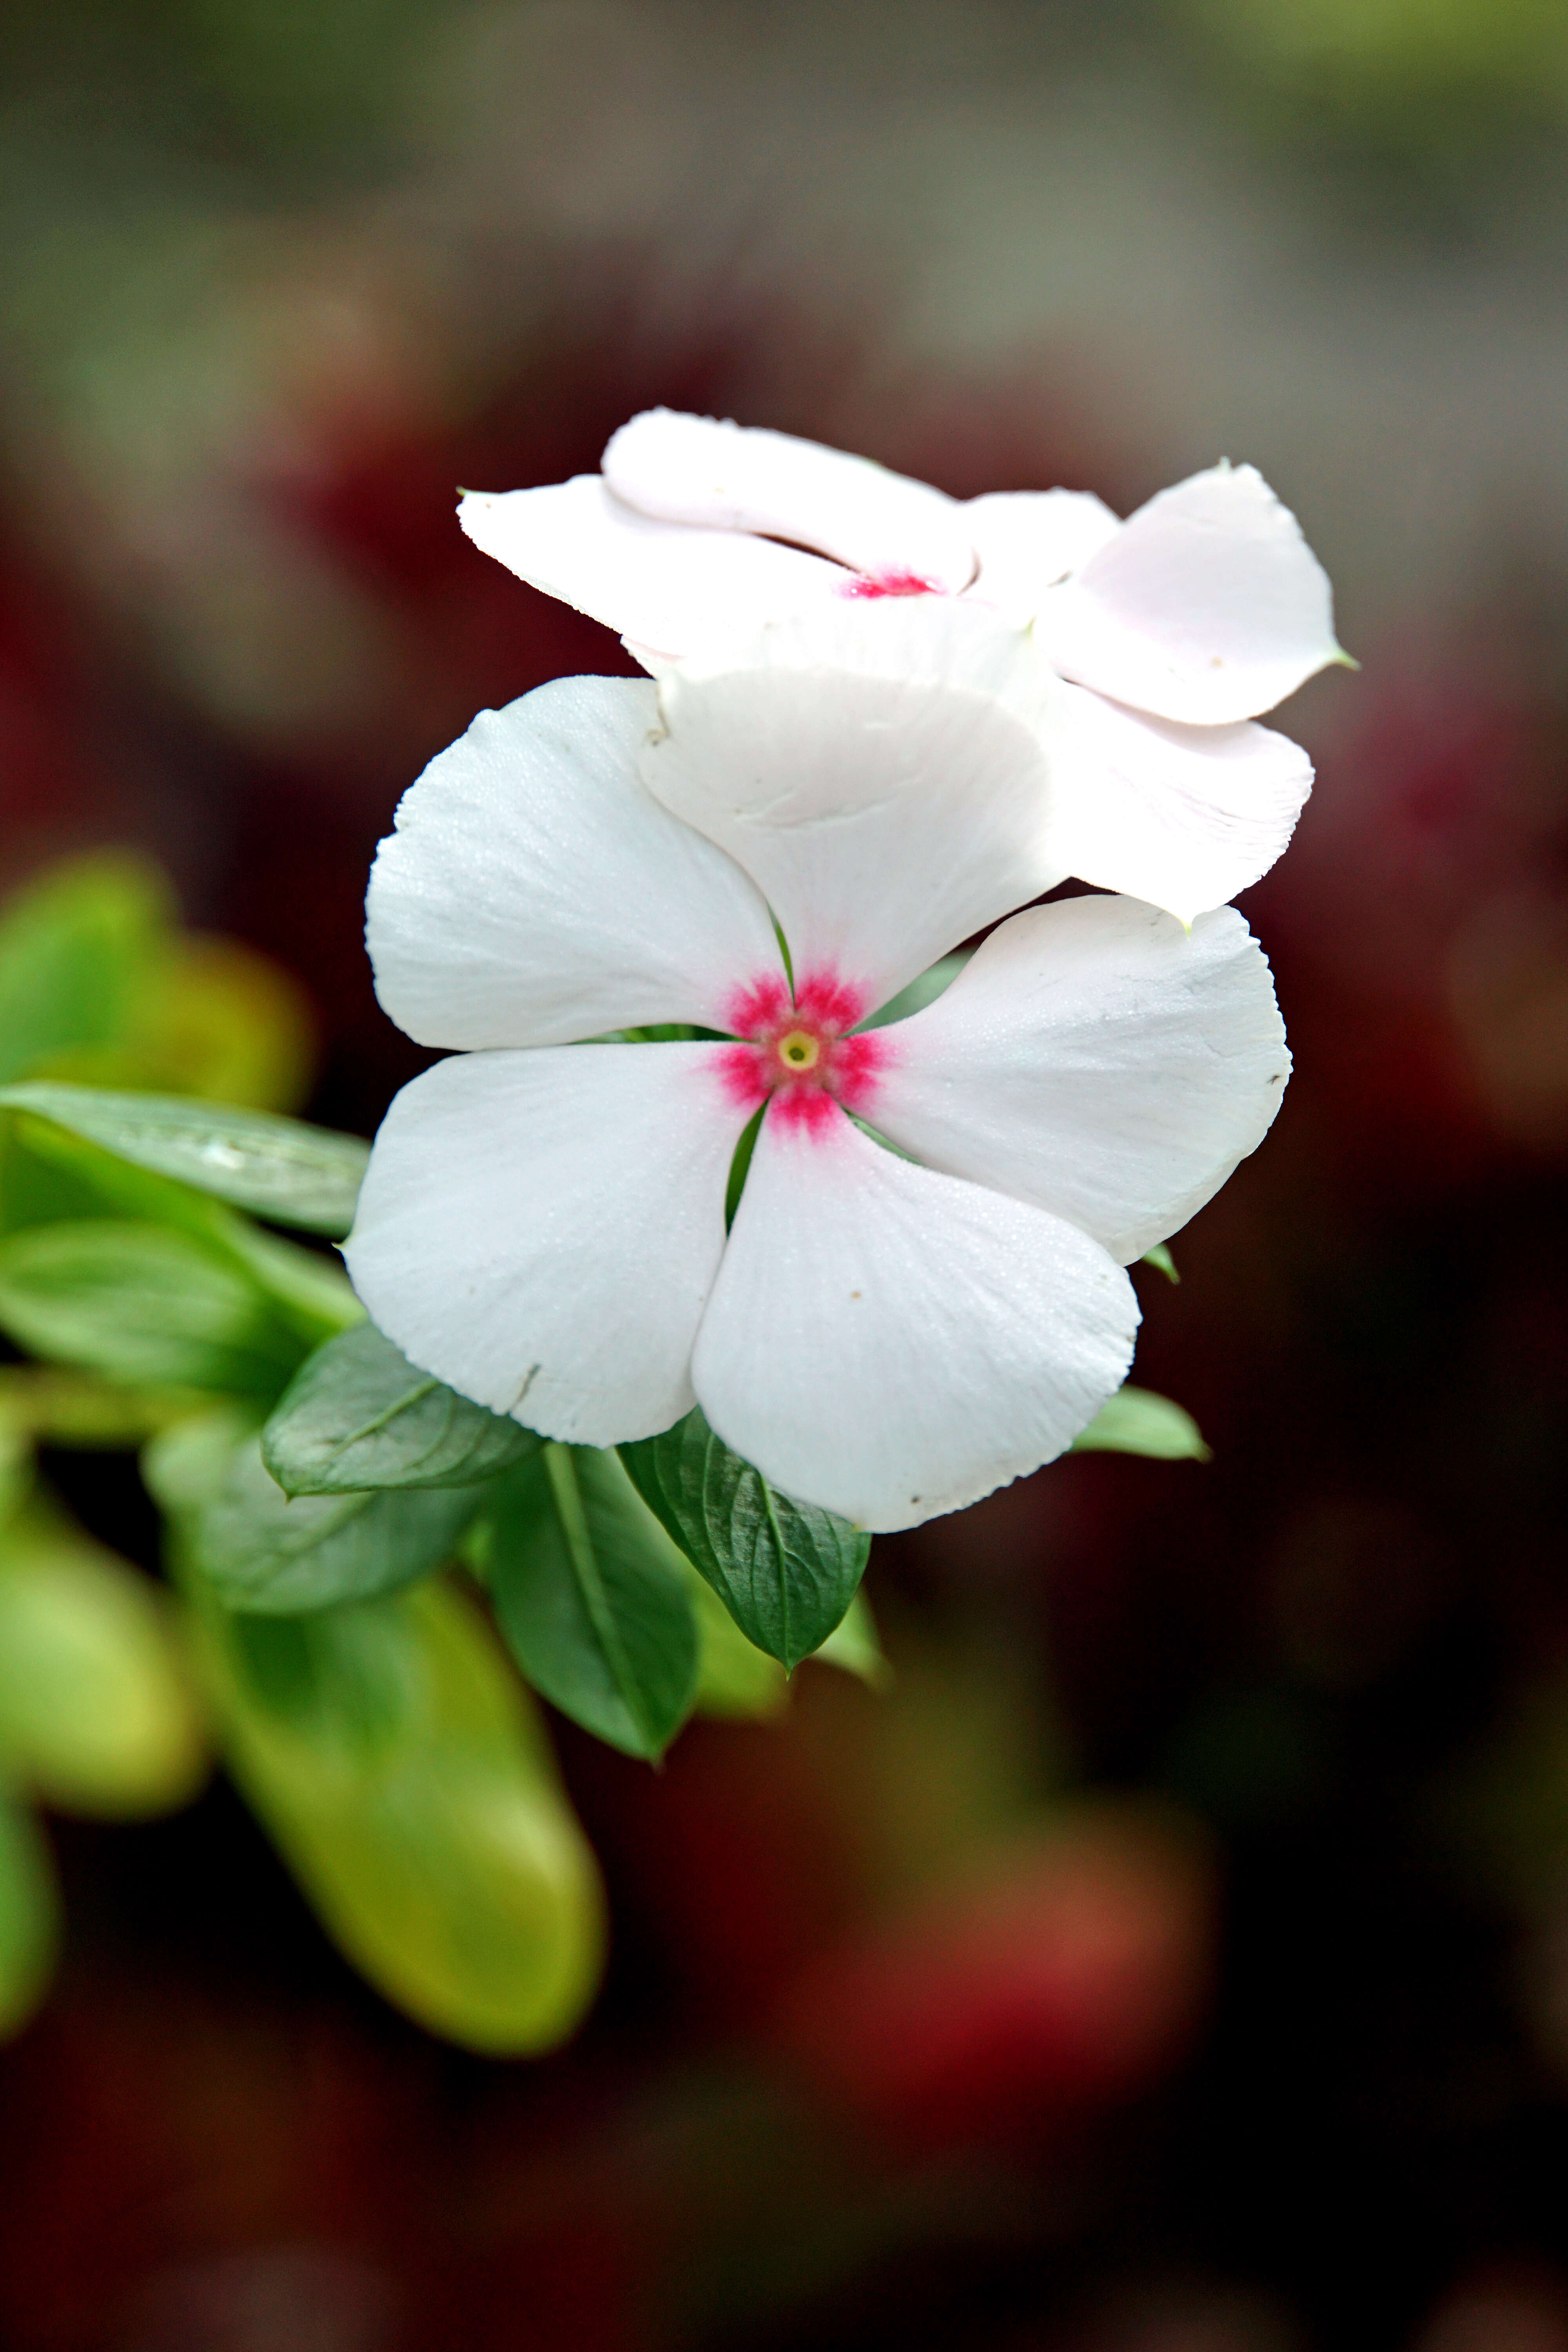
(740, 1165)
(95, 1713)
(591, 1596)
(1160, 1256)
(358, 1414)
(74, 948)
(262, 1552)
(786, 1571)
(920, 992)
(406, 1779)
(277, 1168)
(29, 1916)
(53, 1177)
(78, 1181)
(141, 1303)
(1136, 1420)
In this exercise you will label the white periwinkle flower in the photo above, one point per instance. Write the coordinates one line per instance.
(892, 1333)
(1172, 631)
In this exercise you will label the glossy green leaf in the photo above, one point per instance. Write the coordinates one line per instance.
(1136, 1420)
(406, 1777)
(786, 1571)
(592, 1597)
(29, 1916)
(141, 1303)
(51, 1176)
(95, 1712)
(277, 1168)
(260, 1551)
(358, 1414)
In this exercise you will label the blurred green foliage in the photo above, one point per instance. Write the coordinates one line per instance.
(1425, 92)
(388, 1748)
(98, 1708)
(100, 984)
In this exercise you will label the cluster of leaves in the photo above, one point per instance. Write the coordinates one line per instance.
(355, 1548)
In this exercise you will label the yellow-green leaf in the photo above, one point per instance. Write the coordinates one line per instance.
(405, 1776)
(1136, 1420)
(218, 1020)
(47, 1405)
(97, 1714)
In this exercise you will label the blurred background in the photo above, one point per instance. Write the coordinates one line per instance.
(1176, 1959)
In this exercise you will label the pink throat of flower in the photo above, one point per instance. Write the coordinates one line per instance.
(800, 1056)
(891, 583)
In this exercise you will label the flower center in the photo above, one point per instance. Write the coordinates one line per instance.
(799, 1050)
(804, 1056)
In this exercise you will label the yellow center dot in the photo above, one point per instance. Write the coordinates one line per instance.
(800, 1049)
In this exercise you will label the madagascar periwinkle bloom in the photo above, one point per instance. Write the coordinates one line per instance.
(923, 1293)
(1171, 632)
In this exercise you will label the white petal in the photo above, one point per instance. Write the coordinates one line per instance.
(534, 892)
(1184, 816)
(866, 768)
(1206, 607)
(694, 469)
(892, 1343)
(1026, 540)
(663, 585)
(1093, 1058)
(540, 1230)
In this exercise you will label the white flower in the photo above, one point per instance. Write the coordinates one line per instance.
(543, 1224)
(1173, 630)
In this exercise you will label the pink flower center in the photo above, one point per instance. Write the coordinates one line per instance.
(891, 583)
(799, 1055)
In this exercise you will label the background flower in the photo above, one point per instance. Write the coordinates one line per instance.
(1175, 628)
